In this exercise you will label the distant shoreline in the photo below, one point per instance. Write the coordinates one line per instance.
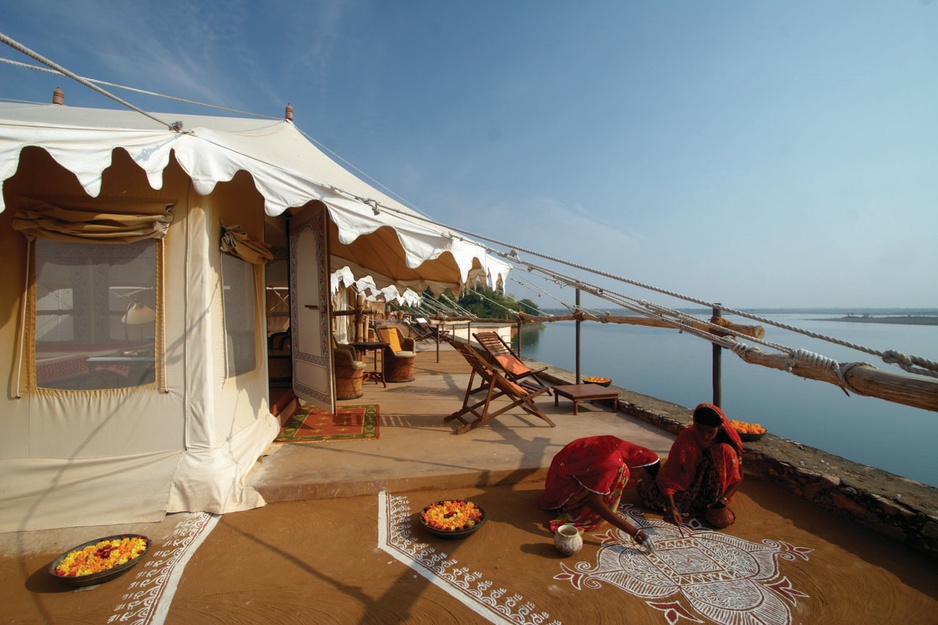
(906, 320)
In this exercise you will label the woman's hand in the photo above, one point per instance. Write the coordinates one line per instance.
(673, 515)
(640, 536)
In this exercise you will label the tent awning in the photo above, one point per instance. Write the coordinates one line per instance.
(370, 230)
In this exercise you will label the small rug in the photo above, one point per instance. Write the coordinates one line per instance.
(348, 423)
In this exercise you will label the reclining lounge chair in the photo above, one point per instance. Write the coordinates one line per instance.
(435, 332)
(419, 331)
(495, 386)
(510, 363)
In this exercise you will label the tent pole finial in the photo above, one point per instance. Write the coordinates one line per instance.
(58, 96)
(288, 115)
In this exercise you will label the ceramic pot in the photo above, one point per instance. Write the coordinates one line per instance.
(719, 515)
(568, 540)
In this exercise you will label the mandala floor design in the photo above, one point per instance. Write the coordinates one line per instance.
(498, 605)
(695, 573)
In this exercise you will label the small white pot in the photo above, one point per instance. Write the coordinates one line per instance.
(568, 540)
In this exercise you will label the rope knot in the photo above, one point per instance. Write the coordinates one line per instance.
(895, 358)
(811, 358)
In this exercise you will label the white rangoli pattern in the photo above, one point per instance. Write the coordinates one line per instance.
(496, 604)
(149, 596)
(695, 572)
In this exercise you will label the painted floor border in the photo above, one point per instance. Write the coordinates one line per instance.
(477, 594)
(151, 593)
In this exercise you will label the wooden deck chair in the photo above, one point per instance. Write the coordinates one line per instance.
(494, 385)
(435, 331)
(419, 331)
(510, 363)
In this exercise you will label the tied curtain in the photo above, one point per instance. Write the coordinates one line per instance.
(41, 220)
(236, 242)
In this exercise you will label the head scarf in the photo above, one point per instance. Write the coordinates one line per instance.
(724, 424)
(706, 415)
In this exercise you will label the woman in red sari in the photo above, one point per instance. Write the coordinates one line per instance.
(586, 478)
(704, 466)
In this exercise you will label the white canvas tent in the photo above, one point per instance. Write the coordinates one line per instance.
(134, 347)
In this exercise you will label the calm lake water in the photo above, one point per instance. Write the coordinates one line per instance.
(676, 367)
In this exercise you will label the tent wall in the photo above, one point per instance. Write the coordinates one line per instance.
(184, 443)
(228, 423)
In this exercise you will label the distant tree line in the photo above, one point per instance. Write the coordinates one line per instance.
(488, 303)
(484, 303)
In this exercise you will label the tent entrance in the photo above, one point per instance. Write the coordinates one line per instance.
(309, 307)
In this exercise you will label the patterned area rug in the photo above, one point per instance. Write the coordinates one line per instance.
(348, 423)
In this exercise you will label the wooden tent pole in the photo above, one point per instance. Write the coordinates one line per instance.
(578, 321)
(717, 371)
(757, 332)
(861, 378)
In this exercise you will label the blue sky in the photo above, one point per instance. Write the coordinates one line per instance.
(759, 154)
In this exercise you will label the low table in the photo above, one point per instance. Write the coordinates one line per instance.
(363, 347)
(585, 392)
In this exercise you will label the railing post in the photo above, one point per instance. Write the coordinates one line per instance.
(578, 337)
(519, 337)
(717, 373)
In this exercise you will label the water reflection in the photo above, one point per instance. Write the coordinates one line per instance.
(527, 339)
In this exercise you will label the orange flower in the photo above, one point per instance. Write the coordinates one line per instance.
(452, 515)
(101, 556)
(747, 428)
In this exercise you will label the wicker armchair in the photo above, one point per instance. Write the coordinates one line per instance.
(349, 371)
(398, 355)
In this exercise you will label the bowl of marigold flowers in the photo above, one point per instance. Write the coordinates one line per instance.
(452, 518)
(593, 379)
(100, 560)
(748, 431)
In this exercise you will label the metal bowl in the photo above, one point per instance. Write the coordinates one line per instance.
(459, 533)
(102, 576)
(597, 380)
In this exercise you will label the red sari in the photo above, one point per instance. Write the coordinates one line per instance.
(596, 464)
(697, 471)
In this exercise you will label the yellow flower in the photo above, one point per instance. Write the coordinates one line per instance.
(103, 555)
(451, 515)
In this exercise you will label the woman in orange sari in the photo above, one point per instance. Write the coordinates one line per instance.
(586, 478)
(704, 467)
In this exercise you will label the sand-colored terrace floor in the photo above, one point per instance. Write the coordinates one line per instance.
(416, 449)
(339, 541)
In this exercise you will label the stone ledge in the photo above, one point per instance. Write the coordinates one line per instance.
(901, 509)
